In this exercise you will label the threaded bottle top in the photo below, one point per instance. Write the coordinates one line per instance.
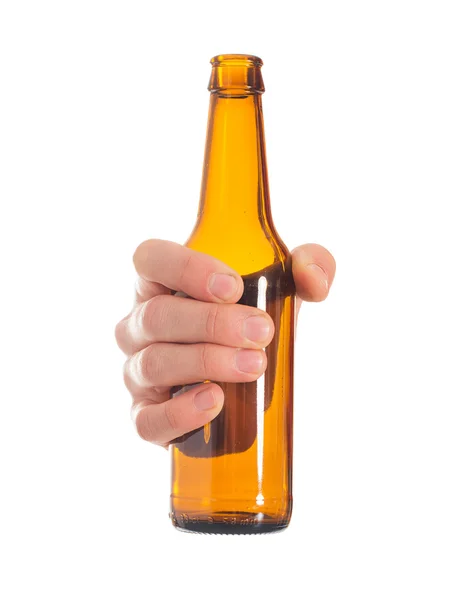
(236, 75)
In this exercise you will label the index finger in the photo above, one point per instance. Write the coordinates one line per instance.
(185, 270)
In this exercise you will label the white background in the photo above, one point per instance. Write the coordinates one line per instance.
(102, 125)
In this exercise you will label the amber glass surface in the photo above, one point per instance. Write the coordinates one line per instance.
(234, 474)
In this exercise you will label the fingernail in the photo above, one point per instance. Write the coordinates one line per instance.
(320, 274)
(205, 400)
(257, 329)
(223, 286)
(249, 361)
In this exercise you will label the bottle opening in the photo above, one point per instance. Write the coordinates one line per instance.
(236, 75)
(241, 59)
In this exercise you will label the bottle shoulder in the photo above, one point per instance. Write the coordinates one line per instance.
(244, 250)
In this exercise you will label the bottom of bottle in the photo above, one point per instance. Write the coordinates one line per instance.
(229, 523)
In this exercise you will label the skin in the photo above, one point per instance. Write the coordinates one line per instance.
(170, 340)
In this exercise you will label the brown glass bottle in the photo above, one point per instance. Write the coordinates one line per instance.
(234, 475)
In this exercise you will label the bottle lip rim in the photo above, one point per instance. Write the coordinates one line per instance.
(241, 59)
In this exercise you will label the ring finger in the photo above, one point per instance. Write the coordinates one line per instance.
(161, 365)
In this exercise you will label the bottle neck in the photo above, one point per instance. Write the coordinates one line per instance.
(234, 192)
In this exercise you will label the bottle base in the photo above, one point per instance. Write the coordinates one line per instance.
(230, 524)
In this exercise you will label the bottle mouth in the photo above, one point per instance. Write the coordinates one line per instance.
(236, 59)
(236, 75)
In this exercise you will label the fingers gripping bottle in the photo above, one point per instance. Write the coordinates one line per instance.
(234, 474)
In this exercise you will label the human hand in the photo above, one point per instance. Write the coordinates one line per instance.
(170, 340)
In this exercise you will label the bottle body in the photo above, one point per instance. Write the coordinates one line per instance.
(234, 475)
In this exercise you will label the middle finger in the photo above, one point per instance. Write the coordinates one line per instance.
(184, 320)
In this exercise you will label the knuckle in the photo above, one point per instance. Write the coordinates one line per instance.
(135, 324)
(151, 366)
(118, 332)
(133, 371)
(144, 368)
(121, 334)
(170, 417)
(157, 426)
(212, 318)
(153, 315)
(205, 360)
(186, 268)
(127, 379)
(146, 426)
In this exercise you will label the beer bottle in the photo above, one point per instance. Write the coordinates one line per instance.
(234, 474)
